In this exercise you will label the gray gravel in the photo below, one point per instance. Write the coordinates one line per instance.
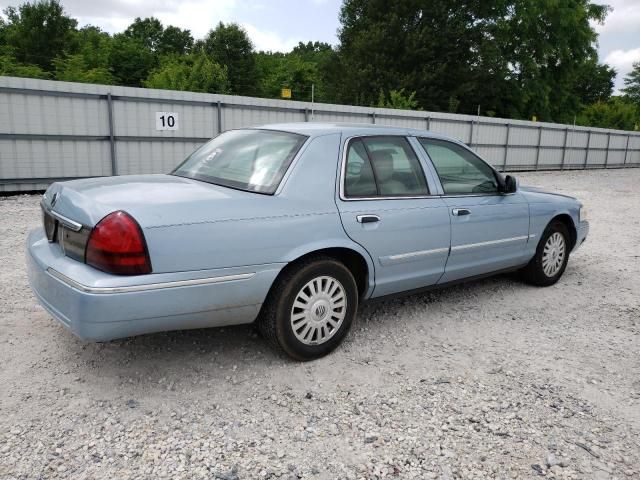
(493, 379)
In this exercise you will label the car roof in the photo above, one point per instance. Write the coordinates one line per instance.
(313, 129)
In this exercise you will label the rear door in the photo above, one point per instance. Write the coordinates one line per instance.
(489, 230)
(386, 206)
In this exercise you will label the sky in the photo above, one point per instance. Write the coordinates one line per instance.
(278, 25)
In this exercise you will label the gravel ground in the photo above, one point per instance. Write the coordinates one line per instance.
(493, 379)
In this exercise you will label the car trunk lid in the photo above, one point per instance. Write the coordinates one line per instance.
(153, 200)
(72, 209)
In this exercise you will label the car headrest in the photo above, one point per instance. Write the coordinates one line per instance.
(380, 156)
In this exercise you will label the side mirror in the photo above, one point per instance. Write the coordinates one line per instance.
(510, 184)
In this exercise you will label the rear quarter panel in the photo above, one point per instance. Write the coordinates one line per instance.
(300, 218)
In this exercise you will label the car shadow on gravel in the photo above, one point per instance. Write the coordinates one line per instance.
(241, 348)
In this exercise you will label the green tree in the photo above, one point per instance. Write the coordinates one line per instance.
(74, 68)
(95, 46)
(323, 57)
(38, 32)
(293, 70)
(147, 31)
(9, 67)
(429, 47)
(195, 73)
(130, 60)
(397, 99)
(595, 82)
(632, 84)
(3, 33)
(229, 45)
(158, 39)
(91, 63)
(176, 41)
(512, 57)
(547, 43)
(616, 113)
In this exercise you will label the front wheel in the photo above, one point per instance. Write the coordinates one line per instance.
(552, 255)
(310, 309)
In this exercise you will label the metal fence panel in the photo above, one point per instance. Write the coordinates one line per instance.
(49, 115)
(136, 157)
(492, 154)
(491, 134)
(459, 130)
(522, 136)
(247, 117)
(553, 137)
(53, 158)
(520, 158)
(550, 159)
(59, 130)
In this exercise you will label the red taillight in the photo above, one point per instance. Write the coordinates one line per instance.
(116, 245)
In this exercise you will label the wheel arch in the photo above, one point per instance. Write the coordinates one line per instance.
(566, 219)
(358, 262)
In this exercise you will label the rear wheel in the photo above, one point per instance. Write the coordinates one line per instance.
(310, 309)
(552, 255)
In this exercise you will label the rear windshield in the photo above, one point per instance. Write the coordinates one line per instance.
(251, 160)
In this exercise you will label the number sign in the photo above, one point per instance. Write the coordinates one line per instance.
(166, 121)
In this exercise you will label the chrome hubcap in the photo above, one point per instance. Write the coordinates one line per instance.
(318, 310)
(553, 254)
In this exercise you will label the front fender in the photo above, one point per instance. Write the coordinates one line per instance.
(542, 212)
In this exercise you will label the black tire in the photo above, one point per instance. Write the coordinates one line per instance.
(534, 272)
(275, 323)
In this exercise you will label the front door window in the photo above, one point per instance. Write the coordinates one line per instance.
(460, 171)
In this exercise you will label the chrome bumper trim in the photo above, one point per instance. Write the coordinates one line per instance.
(149, 286)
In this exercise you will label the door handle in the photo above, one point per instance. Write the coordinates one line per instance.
(461, 211)
(369, 218)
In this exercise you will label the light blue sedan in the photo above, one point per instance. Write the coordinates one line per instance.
(291, 226)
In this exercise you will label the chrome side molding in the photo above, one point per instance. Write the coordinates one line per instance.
(488, 243)
(421, 253)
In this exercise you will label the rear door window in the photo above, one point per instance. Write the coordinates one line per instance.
(383, 166)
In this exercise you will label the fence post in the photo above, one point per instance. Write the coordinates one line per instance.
(112, 143)
(373, 117)
(626, 149)
(306, 114)
(471, 134)
(219, 113)
(586, 156)
(606, 157)
(506, 148)
(428, 123)
(564, 147)
(538, 147)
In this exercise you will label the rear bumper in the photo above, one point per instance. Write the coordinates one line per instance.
(99, 307)
(582, 232)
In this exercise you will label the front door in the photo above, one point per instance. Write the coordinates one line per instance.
(489, 230)
(386, 206)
